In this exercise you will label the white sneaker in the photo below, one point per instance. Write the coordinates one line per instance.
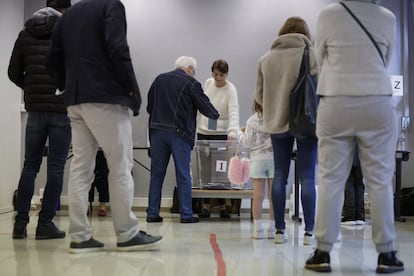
(308, 239)
(258, 234)
(360, 222)
(281, 237)
(271, 233)
(349, 222)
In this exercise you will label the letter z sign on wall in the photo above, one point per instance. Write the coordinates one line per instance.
(397, 84)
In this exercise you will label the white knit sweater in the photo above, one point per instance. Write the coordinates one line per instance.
(225, 100)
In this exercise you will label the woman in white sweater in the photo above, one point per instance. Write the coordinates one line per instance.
(223, 95)
(355, 109)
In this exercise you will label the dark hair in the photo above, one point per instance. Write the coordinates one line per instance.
(220, 65)
(295, 25)
(257, 108)
(58, 4)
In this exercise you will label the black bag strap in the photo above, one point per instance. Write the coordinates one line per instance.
(304, 65)
(365, 30)
(306, 58)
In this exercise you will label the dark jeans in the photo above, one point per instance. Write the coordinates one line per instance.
(55, 128)
(354, 196)
(163, 145)
(306, 160)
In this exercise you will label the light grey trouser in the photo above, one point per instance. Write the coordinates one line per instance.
(107, 126)
(371, 123)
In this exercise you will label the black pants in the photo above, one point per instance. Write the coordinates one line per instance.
(101, 179)
(354, 196)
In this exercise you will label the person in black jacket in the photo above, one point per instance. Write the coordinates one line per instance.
(89, 56)
(47, 120)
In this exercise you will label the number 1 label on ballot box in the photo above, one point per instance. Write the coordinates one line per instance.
(221, 166)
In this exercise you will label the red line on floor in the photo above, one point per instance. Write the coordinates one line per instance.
(221, 265)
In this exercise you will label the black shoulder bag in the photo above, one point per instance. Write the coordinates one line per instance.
(303, 101)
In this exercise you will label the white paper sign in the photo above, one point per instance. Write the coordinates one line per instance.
(397, 84)
(221, 166)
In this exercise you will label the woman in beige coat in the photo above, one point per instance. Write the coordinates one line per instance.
(277, 73)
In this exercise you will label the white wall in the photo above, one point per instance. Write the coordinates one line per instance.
(239, 31)
(11, 22)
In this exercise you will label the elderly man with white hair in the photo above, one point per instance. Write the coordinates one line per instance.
(173, 101)
(355, 109)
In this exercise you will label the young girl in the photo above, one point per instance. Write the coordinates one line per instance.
(261, 170)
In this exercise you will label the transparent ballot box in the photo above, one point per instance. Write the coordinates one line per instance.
(213, 158)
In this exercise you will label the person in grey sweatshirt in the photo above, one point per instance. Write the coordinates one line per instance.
(355, 109)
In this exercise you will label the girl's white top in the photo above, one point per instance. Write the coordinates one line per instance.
(257, 140)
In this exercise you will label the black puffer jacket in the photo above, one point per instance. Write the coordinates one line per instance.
(27, 64)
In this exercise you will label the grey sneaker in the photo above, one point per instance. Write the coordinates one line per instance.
(141, 241)
(90, 245)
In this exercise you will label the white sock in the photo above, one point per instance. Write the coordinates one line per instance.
(272, 225)
(257, 224)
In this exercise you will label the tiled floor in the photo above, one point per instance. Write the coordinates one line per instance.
(190, 249)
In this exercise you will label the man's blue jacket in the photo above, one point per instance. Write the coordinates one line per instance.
(173, 101)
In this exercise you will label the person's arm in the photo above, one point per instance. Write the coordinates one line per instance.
(243, 137)
(233, 109)
(150, 98)
(258, 96)
(391, 44)
(55, 60)
(320, 41)
(117, 46)
(16, 64)
(202, 102)
(247, 134)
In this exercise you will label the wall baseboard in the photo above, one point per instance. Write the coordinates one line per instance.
(138, 202)
(6, 209)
